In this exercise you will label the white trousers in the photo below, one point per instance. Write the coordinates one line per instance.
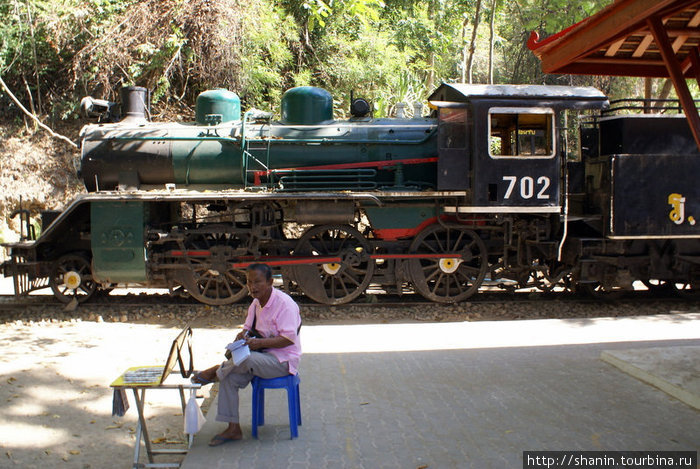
(234, 377)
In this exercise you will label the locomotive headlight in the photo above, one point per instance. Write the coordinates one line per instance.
(71, 280)
(449, 264)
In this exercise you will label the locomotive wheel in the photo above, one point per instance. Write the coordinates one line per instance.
(451, 279)
(211, 279)
(71, 278)
(334, 283)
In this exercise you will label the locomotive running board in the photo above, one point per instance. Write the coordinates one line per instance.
(501, 209)
(280, 261)
(656, 237)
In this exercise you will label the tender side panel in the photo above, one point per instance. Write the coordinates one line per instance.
(655, 196)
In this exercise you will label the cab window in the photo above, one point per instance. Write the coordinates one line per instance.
(521, 133)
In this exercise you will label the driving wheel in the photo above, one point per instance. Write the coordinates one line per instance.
(71, 278)
(210, 278)
(454, 277)
(338, 281)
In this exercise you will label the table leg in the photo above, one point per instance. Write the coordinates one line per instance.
(137, 446)
(140, 403)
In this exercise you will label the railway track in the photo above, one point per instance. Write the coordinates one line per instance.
(369, 301)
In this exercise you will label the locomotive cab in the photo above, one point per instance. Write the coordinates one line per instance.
(501, 143)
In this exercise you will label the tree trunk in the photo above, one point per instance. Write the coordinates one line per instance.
(431, 71)
(463, 63)
(472, 46)
(658, 106)
(666, 89)
(36, 64)
(647, 95)
(31, 104)
(493, 16)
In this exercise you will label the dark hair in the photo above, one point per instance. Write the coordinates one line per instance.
(262, 268)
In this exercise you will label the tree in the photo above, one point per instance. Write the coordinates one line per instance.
(492, 38)
(468, 60)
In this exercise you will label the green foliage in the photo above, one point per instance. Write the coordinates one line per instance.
(53, 52)
(267, 58)
(429, 32)
(320, 11)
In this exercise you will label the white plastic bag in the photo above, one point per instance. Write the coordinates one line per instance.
(194, 418)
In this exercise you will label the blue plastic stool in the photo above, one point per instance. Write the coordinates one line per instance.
(291, 384)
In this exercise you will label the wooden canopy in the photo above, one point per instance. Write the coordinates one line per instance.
(643, 38)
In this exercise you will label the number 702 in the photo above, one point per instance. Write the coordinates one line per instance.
(528, 187)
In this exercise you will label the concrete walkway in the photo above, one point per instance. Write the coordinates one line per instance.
(470, 395)
(674, 370)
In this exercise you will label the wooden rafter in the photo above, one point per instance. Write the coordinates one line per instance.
(614, 47)
(644, 38)
(643, 46)
(680, 40)
(694, 58)
(674, 70)
(630, 15)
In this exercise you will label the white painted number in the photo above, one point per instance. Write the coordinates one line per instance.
(511, 183)
(527, 187)
(543, 181)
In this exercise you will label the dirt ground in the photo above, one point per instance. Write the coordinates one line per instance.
(56, 367)
(56, 401)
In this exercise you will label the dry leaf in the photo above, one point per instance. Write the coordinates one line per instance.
(56, 416)
(92, 421)
(74, 451)
(111, 427)
(8, 454)
(158, 440)
(11, 379)
(424, 466)
(47, 451)
(65, 458)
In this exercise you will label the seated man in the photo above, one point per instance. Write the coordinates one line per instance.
(275, 317)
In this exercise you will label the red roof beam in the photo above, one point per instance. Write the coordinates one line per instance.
(622, 68)
(694, 59)
(620, 19)
(674, 70)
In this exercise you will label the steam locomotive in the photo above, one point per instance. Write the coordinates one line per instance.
(483, 192)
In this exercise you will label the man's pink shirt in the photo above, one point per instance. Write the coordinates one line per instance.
(279, 317)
